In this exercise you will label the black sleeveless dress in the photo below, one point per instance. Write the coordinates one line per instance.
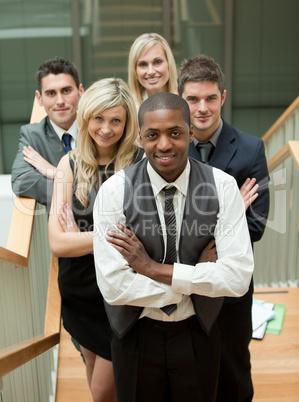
(82, 309)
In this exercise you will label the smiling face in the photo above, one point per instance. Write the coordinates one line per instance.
(205, 101)
(60, 96)
(165, 137)
(106, 129)
(152, 70)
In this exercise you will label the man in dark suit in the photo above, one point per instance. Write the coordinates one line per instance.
(42, 145)
(201, 84)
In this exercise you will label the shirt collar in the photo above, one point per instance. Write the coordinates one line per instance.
(73, 130)
(214, 137)
(158, 183)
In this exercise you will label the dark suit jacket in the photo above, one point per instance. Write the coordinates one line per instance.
(26, 180)
(242, 155)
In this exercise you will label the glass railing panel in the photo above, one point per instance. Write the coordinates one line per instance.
(287, 131)
(276, 255)
(23, 292)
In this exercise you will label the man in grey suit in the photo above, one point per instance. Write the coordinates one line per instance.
(221, 145)
(42, 145)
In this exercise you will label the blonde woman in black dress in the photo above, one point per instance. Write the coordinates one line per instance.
(106, 143)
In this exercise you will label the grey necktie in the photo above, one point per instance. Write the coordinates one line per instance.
(205, 150)
(66, 138)
(170, 226)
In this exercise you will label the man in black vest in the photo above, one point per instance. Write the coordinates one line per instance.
(201, 84)
(152, 221)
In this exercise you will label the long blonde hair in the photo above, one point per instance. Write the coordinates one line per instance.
(141, 45)
(102, 95)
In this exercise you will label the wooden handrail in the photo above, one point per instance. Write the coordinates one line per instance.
(20, 233)
(281, 119)
(15, 258)
(53, 308)
(38, 112)
(21, 353)
(290, 149)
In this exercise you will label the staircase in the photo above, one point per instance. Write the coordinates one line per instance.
(111, 32)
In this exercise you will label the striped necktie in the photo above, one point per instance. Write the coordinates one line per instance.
(170, 226)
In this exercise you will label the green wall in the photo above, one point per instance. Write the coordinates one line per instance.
(264, 47)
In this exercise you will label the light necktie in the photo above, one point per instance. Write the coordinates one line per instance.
(205, 150)
(66, 138)
(170, 226)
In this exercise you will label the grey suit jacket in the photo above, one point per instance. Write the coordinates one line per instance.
(25, 179)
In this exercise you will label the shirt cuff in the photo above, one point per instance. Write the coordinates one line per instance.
(182, 278)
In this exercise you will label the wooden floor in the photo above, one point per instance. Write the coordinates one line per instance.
(275, 359)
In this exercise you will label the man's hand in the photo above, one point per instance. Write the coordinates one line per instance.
(130, 247)
(209, 253)
(66, 218)
(134, 252)
(36, 160)
(249, 192)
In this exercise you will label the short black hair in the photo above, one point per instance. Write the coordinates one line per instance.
(57, 65)
(163, 101)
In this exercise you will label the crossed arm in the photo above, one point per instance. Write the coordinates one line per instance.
(132, 249)
(64, 232)
(66, 240)
(39, 163)
(31, 175)
(142, 282)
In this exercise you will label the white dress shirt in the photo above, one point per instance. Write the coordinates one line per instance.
(230, 275)
(73, 131)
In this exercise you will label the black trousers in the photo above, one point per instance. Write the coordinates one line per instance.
(166, 362)
(235, 326)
